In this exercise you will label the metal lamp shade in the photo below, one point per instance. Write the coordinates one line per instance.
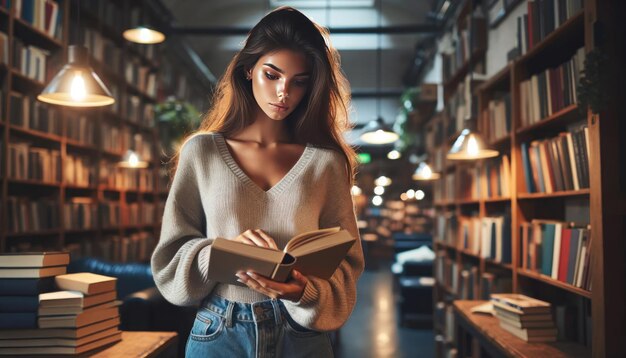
(62, 90)
(470, 146)
(144, 35)
(377, 132)
(132, 161)
(424, 173)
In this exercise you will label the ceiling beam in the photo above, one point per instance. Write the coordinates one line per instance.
(237, 31)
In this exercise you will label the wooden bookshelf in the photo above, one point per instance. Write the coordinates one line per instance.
(604, 201)
(62, 193)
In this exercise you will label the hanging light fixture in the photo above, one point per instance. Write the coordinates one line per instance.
(425, 173)
(131, 160)
(470, 145)
(77, 85)
(376, 131)
(144, 34)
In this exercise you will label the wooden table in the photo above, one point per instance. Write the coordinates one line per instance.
(141, 344)
(499, 343)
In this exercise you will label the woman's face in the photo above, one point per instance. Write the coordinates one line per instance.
(279, 82)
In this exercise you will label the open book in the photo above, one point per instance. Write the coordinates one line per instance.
(316, 253)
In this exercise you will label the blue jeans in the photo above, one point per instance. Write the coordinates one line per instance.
(263, 329)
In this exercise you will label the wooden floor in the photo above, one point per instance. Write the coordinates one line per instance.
(374, 331)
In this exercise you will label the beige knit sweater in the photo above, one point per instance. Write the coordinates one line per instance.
(212, 197)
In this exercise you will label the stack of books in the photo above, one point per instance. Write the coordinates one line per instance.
(525, 317)
(62, 314)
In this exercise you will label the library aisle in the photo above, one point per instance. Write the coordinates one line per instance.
(374, 329)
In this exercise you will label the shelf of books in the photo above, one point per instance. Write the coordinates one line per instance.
(519, 222)
(62, 187)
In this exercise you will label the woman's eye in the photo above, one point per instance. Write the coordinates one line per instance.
(302, 83)
(270, 76)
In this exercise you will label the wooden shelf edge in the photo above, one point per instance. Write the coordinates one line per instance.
(563, 114)
(572, 22)
(557, 194)
(501, 76)
(555, 283)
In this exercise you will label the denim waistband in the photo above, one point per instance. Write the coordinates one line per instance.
(244, 312)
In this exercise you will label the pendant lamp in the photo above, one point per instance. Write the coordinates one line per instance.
(144, 34)
(376, 131)
(77, 85)
(470, 145)
(132, 161)
(425, 173)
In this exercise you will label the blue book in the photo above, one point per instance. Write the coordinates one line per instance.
(494, 227)
(26, 286)
(28, 10)
(573, 255)
(526, 163)
(547, 247)
(22, 320)
(13, 304)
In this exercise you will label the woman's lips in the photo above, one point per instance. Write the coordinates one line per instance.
(279, 107)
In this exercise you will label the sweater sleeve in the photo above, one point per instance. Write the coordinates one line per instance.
(180, 259)
(326, 304)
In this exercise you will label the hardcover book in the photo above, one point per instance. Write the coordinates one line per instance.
(34, 259)
(317, 253)
(86, 282)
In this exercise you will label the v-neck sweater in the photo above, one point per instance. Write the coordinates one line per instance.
(211, 196)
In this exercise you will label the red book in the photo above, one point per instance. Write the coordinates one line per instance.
(566, 239)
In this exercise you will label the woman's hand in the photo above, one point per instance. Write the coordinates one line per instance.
(256, 238)
(291, 290)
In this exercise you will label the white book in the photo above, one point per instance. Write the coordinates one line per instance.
(556, 254)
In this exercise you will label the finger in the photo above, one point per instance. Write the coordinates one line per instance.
(298, 276)
(260, 286)
(270, 241)
(245, 240)
(256, 238)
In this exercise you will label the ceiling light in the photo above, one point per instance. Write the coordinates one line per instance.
(144, 35)
(132, 161)
(424, 172)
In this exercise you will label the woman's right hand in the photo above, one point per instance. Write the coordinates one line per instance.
(256, 238)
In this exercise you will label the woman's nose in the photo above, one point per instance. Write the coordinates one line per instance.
(283, 90)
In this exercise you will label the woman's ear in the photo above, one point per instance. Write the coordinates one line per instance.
(248, 74)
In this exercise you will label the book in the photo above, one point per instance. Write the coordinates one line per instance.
(59, 332)
(19, 320)
(62, 350)
(52, 342)
(19, 303)
(32, 272)
(80, 320)
(317, 253)
(545, 323)
(521, 318)
(520, 303)
(74, 310)
(60, 298)
(34, 259)
(86, 282)
(26, 287)
(531, 335)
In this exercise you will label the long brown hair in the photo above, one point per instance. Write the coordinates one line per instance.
(322, 115)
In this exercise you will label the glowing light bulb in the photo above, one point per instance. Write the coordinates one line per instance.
(472, 146)
(133, 160)
(419, 195)
(78, 92)
(410, 193)
(379, 190)
(377, 200)
(145, 34)
(356, 190)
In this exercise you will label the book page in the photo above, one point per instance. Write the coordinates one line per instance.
(300, 239)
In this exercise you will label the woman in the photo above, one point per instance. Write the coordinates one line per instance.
(268, 162)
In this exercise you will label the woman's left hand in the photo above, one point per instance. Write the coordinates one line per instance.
(291, 290)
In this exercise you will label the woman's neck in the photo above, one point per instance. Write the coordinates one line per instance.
(264, 131)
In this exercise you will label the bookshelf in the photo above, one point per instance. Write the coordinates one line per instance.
(588, 202)
(88, 206)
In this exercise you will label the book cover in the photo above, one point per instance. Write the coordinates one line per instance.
(63, 342)
(18, 320)
(317, 253)
(60, 298)
(26, 287)
(32, 272)
(86, 282)
(62, 350)
(547, 247)
(34, 259)
(19, 303)
(79, 320)
(59, 332)
(564, 259)
(521, 303)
